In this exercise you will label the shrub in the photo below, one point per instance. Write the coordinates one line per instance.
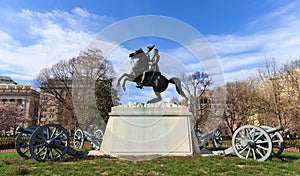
(7, 143)
(293, 143)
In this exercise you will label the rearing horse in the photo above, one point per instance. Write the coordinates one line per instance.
(158, 82)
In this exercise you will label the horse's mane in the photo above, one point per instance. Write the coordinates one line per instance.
(136, 52)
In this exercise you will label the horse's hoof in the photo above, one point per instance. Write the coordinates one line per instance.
(124, 88)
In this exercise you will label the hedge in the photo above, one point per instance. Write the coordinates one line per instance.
(7, 142)
(292, 143)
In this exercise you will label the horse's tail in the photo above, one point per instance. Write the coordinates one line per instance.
(177, 83)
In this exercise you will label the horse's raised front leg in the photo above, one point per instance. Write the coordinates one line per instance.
(128, 77)
(120, 79)
(157, 99)
(124, 83)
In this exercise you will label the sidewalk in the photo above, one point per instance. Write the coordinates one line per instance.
(290, 149)
(7, 150)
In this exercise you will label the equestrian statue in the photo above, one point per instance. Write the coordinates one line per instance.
(145, 72)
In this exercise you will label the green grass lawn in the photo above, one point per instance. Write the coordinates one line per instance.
(288, 164)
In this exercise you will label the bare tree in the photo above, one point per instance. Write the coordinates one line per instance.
(56, 92)
(78, 75)
(93, 95)
(273, 89)
(269, 76)
(196, 86)
(291, 75)
(240, 105)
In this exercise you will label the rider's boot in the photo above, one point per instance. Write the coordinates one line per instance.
(140, 85)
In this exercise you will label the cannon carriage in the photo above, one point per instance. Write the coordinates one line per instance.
(215, 136)
(49, 142)
(256, 142)
(80, 136)
(249, 141)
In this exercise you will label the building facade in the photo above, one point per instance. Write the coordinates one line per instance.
(25, 96)
(56, 104)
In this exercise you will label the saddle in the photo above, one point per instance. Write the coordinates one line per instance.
(149, 76)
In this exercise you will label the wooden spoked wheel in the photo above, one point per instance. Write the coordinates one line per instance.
(22, 143)
(49, 143)
(99, 135)
(79, 139)
(277, 141)
(252, 142)
(217, 139)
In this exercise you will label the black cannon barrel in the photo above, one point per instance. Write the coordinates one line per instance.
(30, 131)
(24, 130)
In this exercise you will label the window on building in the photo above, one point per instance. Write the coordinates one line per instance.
(4, 101)
(19, 101)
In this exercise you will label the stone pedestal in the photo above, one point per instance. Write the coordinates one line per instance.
(138, 130)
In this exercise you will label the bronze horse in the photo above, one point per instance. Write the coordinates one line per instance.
(156, 80)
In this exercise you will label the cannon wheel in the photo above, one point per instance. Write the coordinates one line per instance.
(277, 141)
(217, 139)
(22, 143)
(79, 138)
(49, 142)
(252, 141)
(99, 135)
(201, 142)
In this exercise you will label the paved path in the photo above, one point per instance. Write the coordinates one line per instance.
(290, 149)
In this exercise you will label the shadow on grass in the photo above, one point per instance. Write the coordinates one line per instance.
(289, 158)
(68, 158)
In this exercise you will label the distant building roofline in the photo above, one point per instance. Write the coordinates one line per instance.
(7, 80)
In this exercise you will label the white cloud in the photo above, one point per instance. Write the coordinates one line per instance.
(49, 37)
(275, 18)
(44, 38)
(274, 35)
(240, 74)
(241, 54)
(279, 38)
(6, 39)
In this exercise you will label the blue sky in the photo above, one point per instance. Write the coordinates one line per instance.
(35, 34)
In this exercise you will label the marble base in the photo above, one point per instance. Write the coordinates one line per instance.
(149, 130)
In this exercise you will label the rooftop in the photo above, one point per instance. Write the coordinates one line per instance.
(6, 80)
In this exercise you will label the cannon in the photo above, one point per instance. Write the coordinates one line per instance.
(214, 135)
(258, 143)
(22, 142)
(44, 143)
(95, 139)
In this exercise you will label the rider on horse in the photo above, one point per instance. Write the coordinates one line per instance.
(151, 77)
(153, 65)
